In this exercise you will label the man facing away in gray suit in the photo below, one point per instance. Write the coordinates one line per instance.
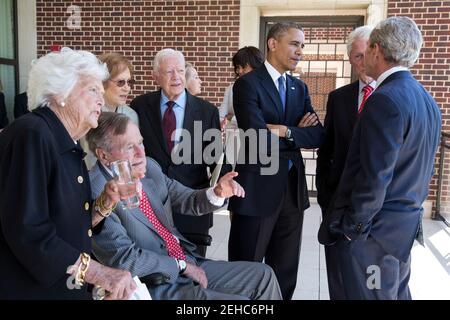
(131, 240)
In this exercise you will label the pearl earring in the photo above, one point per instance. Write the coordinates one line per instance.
(63, 104)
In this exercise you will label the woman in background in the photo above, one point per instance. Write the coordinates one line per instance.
(119, 85)
(244, 60)
(117, 88)
(193, 81)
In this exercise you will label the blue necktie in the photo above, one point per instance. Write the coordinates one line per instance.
(282, 91)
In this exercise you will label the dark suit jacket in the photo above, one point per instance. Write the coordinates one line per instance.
(44, 188)
(389, 166)
(3, 115)
(257, 103)
(20, 105)
(342, 111)
(192, 175)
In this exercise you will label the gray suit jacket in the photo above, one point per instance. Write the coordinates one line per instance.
(128, 239)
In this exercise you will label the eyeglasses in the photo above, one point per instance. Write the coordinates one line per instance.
(121, 83)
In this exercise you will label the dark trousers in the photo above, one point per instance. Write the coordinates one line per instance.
(276, 239)
(334, 274)
(370, 273)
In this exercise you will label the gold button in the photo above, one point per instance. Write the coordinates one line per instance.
(90, 233)
(86, 206)
(80, 179)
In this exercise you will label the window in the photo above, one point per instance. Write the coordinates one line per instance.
(8, 53)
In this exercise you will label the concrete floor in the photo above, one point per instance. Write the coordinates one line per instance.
(430, 266)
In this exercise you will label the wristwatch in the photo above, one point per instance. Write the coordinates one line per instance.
(288, 134)
(181, 265)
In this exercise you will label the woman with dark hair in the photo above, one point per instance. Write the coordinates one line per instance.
(244, 60)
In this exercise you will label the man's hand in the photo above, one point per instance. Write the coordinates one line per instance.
(197, 274)
(277, 129)
(309, 120)
(226, 187)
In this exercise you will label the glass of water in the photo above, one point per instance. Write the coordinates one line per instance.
(127, 185)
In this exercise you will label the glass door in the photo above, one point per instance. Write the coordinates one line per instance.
(9, 79)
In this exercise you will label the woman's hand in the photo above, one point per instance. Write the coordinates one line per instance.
(111, 194)
(118, 283)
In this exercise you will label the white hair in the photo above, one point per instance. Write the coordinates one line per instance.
(164, 53)
(57, 73)
(360, 33)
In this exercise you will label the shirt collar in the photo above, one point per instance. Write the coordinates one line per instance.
(388, 72)
(179, 103)
(274, 74)
(63, 139)
(362, 84)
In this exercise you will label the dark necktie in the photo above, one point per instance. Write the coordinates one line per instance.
(282, 91)
(367, 92)
(173, 246)
(169, 124)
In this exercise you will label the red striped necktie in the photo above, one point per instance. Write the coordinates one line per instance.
(169, 123)
(367, 92)
(173, 246)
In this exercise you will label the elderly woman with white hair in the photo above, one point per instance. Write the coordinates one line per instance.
(47, 216)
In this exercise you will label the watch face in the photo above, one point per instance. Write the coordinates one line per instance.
(288, 133)
(182, 264)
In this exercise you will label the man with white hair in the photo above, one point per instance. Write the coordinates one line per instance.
(343, 107)
(378, 210)
(160, 114)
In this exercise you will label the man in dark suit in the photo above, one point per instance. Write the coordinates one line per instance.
(20, 105)
(160, 114)
(267, 223)
(342, 111)
(378, 210)
(145, 242)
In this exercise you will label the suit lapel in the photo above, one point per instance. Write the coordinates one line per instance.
(190, 113)
(353, 95)
(290, 103)
(154, 117)
(151, 191)
(269, 86)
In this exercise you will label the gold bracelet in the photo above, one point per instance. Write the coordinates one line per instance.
(102, 198)
(80, 276)
(101, 208)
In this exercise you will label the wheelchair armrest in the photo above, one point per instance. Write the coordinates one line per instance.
(154, 279)
(199, 239)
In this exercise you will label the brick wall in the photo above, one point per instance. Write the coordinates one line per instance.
(336, 33)
(433, 66)
(206, 31)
